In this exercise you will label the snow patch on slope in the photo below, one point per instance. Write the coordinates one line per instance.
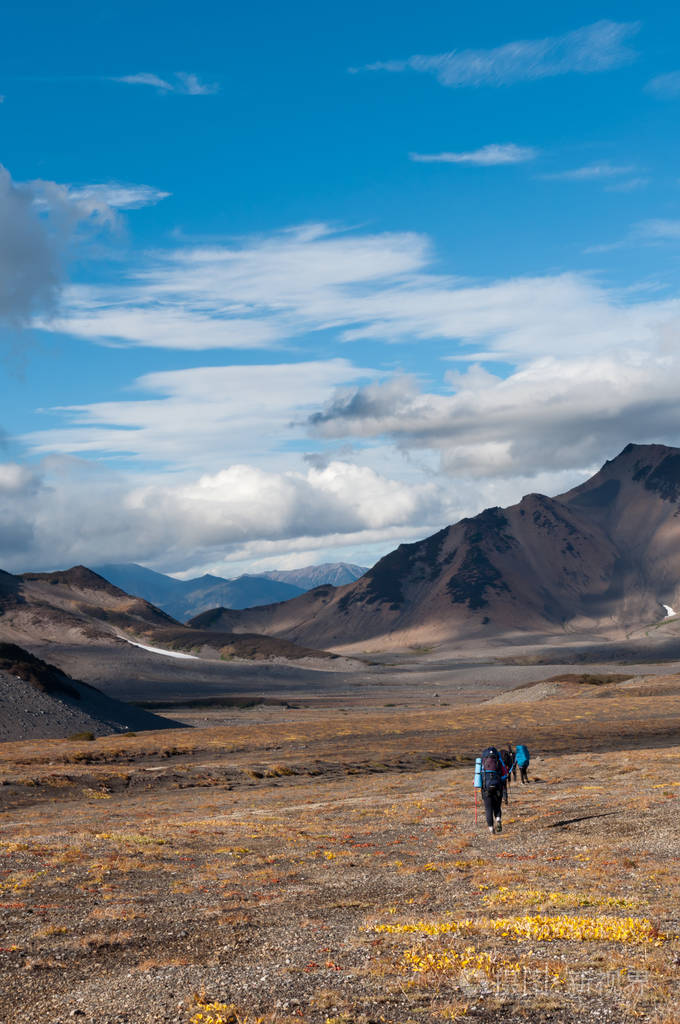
(158, 650)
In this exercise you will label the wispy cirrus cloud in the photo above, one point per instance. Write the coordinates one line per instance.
(265, 291)
(631, 185)
(587, 368)
(592, 172)
(593, 48)
(116, 196)
(659, 229)
(180, 82)
(654, 231)
(167, 426)
(253, 294)
(491, 155)
(378, 287)
(665, 87)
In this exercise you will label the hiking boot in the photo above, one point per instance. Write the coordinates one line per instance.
(491, 829)
(499, 825)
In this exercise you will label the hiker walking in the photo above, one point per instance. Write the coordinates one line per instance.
(510, 765)
(490, 777)
(522, 757)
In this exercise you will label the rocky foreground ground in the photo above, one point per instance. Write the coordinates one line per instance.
(329, 869)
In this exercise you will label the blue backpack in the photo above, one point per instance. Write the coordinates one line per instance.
(522, 756)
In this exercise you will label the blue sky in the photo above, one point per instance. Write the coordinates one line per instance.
(283, 284)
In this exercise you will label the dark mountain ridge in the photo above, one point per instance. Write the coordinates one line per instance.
(38, 699)
(599, 560)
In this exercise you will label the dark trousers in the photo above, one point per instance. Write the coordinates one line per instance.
(492, 804)
(523, 769)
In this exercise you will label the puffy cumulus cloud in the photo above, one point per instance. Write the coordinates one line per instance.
(38, 222)
(16, 479)
(375, 404)
(553, 414)
(30, 267)
(78, 513)
(597, 47)
(242, 502)
(18, 488)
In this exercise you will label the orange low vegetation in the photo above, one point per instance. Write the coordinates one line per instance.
(329, 870)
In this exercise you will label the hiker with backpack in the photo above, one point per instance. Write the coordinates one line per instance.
(510, 765)
(522, 758)
(490, 777)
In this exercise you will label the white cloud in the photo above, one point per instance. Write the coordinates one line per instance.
(146, 78)
(115, 196)
(651, 232)
(237, 476)
(81, 515)
(197, 415)
(597, 47)
(30, 266)
(248, 295)
(666, 87)
(16, 479)
(659, 229)
(487, 156)
(628, 186)
(590, 173)
(590, 369)
(104, 316)
(269, 289)
(553, 414)
(191, 85)
(39, 223)
(180, 82)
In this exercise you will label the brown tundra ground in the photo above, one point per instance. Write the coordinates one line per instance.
(323, 865)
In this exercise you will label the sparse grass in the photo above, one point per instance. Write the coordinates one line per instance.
(307, 893)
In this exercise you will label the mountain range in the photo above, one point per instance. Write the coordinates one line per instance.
(600, 559)
(335, 573)
(77, 608)
(183, 599)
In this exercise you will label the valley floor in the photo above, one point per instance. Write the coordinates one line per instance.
(327, 868)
